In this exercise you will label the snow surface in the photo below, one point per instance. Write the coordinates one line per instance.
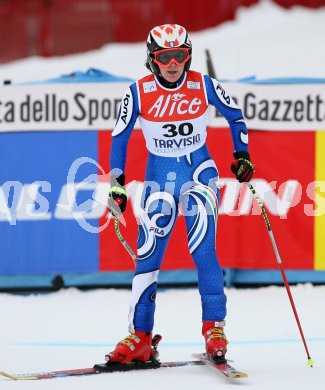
(265, 40)
(75, 329)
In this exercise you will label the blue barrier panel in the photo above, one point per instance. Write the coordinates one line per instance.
(31, 244)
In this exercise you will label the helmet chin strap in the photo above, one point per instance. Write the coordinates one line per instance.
(168, 84)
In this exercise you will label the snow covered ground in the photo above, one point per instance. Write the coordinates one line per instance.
(74, 329)
(265, 40)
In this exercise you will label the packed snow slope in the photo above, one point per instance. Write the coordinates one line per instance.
(75, 329)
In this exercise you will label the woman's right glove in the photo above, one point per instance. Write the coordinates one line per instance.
(242, 167)
(117, 197)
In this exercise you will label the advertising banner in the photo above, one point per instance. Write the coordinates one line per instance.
(73, 106)
(277, 106)
(93, 106)
(54, 153)
(53, 215)
(286, 188)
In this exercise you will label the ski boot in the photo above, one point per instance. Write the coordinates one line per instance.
(215, 339)
(138, 346)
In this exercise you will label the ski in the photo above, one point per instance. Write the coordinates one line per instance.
(101, 369)
(222, 366)
(202, 359)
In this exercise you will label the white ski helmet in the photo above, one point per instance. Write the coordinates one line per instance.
(167, 36)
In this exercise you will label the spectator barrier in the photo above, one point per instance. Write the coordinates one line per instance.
(54, 154)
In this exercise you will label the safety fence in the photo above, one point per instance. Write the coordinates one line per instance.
(60, 27)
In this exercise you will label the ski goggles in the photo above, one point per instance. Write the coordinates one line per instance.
(166, 56)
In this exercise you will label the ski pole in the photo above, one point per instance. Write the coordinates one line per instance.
(114, 208)
(277, 255)
(121, 238)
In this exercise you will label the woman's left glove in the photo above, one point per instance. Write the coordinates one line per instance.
(242, 167)
(117, 197)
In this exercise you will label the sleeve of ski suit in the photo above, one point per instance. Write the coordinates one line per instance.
(128, 114)
(224, 103)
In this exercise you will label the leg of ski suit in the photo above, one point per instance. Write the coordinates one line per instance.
(169, 181)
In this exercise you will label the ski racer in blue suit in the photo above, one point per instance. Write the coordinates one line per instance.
(181, 177)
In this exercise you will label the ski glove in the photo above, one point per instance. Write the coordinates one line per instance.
(242, 167)
(117, 198)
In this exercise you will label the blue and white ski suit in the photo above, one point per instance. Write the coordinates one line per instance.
(181, 178)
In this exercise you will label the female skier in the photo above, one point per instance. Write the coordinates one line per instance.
(172, 106)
